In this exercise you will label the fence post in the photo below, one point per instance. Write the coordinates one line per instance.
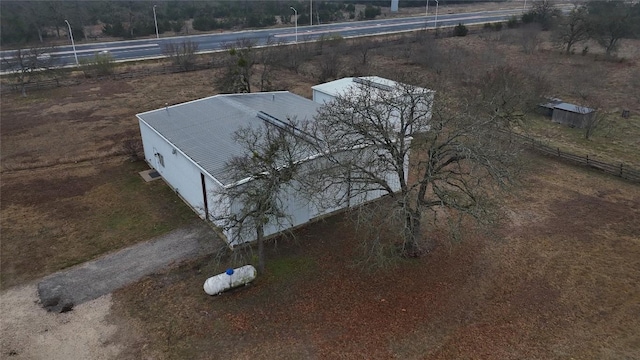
(620, 169)
(587, 159)
(558, 152)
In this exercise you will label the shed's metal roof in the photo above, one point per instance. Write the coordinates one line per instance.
(552, 103)
(203, 129)
(573, 108)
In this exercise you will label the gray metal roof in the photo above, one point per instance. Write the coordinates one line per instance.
(347, 85)
(552, 103)
(573, 108)
(203, 129)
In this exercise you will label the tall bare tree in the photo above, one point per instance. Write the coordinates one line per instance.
(266, 59)
(458, 149)
(266, 168)
(573, 28)
(238, 67)
(543, 12)
(612, 21)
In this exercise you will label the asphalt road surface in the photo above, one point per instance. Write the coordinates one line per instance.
(151, 48)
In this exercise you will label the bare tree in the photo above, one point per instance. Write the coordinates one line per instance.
(266, 58)
(530, 38)
(35, 9)
(293, 57)
(595, 120)
(611, 21)
(182, 54)
(329, 66)
(456, 155)
(542, 12)
(363, 49)
(264, 172)
(573, 29)
(238, 67)
(27, 65)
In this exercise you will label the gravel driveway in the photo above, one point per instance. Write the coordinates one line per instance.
(61, 291)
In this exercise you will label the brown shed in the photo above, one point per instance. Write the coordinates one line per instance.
(573, 115)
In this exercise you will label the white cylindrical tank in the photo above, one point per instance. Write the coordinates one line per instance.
(230, 279)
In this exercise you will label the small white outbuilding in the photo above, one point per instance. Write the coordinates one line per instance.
(353, 86)
(189, 145)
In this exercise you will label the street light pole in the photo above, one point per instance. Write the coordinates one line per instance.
(156, 21)
(73, 44)
(311, 12)
(525, 5)
(436, 23)
(426, 14)
(296, 12)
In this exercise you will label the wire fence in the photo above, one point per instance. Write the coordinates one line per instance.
(620, 170)
(40, 84)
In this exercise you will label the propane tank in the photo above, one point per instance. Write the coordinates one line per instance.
(230, 279)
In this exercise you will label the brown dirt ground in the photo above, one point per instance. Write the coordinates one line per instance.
(559, 279)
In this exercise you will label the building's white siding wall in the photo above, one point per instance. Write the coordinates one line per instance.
(178, 171)
(301, 210)
(321, 97)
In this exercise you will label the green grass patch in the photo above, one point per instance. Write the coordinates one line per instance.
(288, 267)
(616, 140)
(115, 209)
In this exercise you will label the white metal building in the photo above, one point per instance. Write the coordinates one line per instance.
(325, 93)
(190, 143)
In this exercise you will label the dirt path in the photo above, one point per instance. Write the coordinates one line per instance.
(29, 331)
(63, 290)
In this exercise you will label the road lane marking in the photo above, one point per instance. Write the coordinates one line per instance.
(377, 26)
(114, 48)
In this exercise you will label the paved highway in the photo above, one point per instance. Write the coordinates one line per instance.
(132, 50)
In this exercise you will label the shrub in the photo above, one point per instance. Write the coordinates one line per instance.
(460, 30)
(133, 148)
(370, 12)
(182, 55)
(513, 22)
(101, 64)
(529, 17)
(497, 26)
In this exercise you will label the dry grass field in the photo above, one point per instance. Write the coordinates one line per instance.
(559, 279)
